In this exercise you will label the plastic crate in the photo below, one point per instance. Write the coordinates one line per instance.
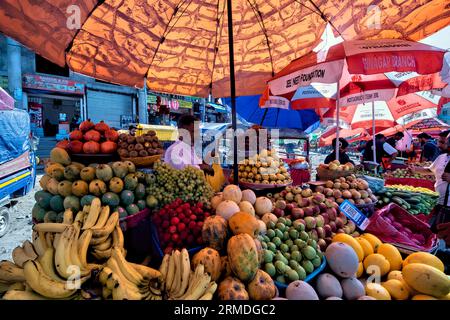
(159, 252)
(137, 232)
(282, 287)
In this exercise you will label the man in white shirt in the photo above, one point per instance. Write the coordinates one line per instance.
(182, 153)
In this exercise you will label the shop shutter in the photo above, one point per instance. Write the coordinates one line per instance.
(108, 107)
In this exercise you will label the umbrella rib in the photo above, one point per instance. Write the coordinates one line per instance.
(324, 17)
(264, 30)
(167, 30)
(263, 117)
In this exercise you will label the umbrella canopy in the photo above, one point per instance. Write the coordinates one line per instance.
(351, 135)
(181, 46)
(247, 107)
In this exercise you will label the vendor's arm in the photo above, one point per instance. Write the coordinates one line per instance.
(426, 171)
(390, 150)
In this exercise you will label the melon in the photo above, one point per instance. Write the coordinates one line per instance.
(233, 193)
(210, 259)
(216, 200)
(263, 205)
(227, 208)
(261, 287)
(232, 288)
(246, 206)
(248, 195)
(268, 217)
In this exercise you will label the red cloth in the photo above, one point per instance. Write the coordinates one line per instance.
(410, 182)
(299, 176)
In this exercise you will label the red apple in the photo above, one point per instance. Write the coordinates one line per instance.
(289, 207)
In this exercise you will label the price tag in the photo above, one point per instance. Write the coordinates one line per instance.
(354, 214)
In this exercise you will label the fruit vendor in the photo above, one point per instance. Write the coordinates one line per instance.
(182, 152)
(430, 150)
(382, 149)
(343, 157)
(441, 170)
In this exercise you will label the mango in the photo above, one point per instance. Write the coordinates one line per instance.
(396, 289)
(425, 258)
(345, 238)
(374, 241)
(376, 260)
(426, 279)
(377, 291)
(392, 254)
(365, 245)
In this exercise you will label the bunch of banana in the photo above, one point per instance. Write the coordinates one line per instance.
(401, 187)
(123, 280)
(180, 283)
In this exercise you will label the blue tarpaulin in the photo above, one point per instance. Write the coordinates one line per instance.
(14, 134)
(248, 108)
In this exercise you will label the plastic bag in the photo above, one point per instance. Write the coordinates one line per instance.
(375, 184)
(14, 134)
(384, 229)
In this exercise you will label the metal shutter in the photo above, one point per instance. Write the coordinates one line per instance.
(108, 107)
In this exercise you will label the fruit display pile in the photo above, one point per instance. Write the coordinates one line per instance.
(265, 168)
(337, 166)
(351, 188)
(414, 200)
(179, 225)
(290, 253)
(167, 184)
(139, 146)
(71, 185)
(407, 173)
(91, 138)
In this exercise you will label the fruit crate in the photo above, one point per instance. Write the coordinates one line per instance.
(326, 174)
(158, 251)
(137, 232)
(282, 286)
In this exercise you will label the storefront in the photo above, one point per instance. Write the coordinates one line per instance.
(53, 103)
(166, 109)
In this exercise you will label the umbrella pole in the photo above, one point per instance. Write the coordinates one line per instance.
(373, 135)
(232, 90)
(337, 122)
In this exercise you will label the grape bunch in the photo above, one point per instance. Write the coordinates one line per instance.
(167, 184)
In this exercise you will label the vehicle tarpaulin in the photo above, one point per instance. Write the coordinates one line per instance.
(14, 134)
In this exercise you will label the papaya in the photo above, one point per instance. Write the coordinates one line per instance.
(139, 192)
(215, 232)
(97, 187)
(120, 169)
(130, 181)
(348, 239)
(116, 185)
(243, 222)
(243, 256)
(426, 279)
(52, 186)
(43, 199)
(392, 254)
(65, 188)
(80, 188)
(210, 258)
(56, 171)
(43, 181)
(104, 172)
(72, 172)
(57, 203)
(425, 258)
(73, 203)
(60, 155)
(231, 288)
(87, 174)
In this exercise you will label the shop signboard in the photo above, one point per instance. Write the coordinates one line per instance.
(35, 111)
(48, 83)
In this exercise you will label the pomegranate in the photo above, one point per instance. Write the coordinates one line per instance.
(91, 147)
(101, 127)
(92, 135)
(86, 125)
(76, 135)
(63, 144)
(111, 135)
(75, 146)
(108, 147)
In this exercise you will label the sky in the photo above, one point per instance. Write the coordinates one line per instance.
(440, 39)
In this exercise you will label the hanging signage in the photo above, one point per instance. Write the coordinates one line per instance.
(185, 104)
(3, 82)
(151, 99)
(48, 83)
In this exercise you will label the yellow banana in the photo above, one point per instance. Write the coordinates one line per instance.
(109, 226)
(62, 253)
(127, 270)
(106, 293)
(74, 252)
(10, 272)
(4, 286)
(94, 212)
(22, 295)
(195, 279)
(163, 268)
(101, 255)
(121, 292)
(19, 256)
(43, 284)
(118, 240)
(104, 275)
(17, 286)
(79, 217)
(96, 241)
(111, 283)
(176, 286)
(68, 216)
(199, 288)
(83, 246)
(122, 280)
(51, 227)
(28, 247)
(185, 272)
(103, 217)
(48, 265)
(104, 245)
(38, 239)
(170, 273)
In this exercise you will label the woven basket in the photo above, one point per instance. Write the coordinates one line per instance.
(143, 161)
(325, 174)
